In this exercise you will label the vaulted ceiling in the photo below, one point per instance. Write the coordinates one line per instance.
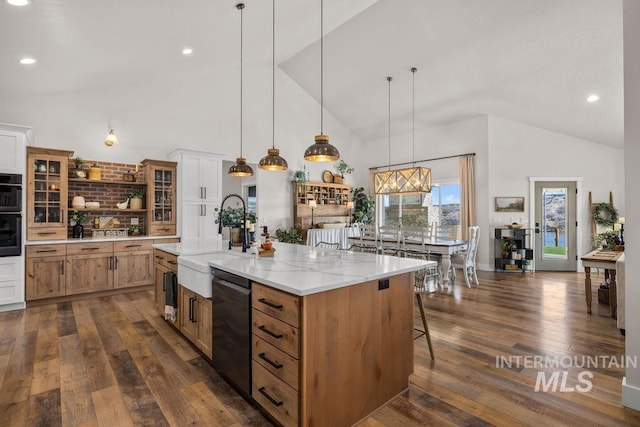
(530, 61)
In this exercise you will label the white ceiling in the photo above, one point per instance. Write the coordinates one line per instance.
(529, 61)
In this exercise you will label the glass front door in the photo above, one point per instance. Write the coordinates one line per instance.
(555, 226)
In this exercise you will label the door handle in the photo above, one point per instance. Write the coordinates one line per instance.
(62, 267)
(205, 192)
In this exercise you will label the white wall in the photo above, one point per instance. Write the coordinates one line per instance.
(631, 13)
(200, 114)
(518, 151)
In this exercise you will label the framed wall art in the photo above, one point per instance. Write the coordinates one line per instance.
(509, 204)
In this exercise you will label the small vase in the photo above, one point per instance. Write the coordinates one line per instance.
(78, 231)
(135, 203)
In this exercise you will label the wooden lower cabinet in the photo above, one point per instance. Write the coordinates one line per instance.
(80, 268)
(195, 319)
(352, 353)
(45, 272)
(133, 264)
(163, 262)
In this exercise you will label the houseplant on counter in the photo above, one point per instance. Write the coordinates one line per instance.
(343, 169)
(289, 235)
(135, 198)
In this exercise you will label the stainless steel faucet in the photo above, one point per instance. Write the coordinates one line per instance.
(244, 221)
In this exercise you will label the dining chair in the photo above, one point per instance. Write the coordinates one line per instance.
(328, 245)
(389, 239)
(413, 243)
(368, 240)
(446, 232)
(466, 260)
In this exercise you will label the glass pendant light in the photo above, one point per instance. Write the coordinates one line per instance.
(321, 150)
(240, 167)
(272, 161)
(111, 139)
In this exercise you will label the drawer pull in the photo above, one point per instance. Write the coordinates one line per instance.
(273, 334)
(90, 249)
(159, 257)
(172, 262)
(46, 233)
(271, 399)
(269, 361)
(42, 251)
(270, 304)
(133, 246)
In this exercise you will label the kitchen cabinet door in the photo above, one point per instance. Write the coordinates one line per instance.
(133, 268)
(187, 311)
(199, 221)
(204, 338)
(89, 273)
(45, 277)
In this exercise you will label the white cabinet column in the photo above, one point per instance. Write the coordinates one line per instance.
(199, 193)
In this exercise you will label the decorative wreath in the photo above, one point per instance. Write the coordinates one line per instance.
(605, 214)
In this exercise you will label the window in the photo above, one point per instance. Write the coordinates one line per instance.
(441, 206)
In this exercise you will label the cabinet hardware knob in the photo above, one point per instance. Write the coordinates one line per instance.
(271, 399)
(266, 331)
(270, 304)
(269, 361)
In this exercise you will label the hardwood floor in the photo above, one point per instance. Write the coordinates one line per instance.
(112, 361)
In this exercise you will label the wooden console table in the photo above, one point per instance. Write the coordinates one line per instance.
(605, 260)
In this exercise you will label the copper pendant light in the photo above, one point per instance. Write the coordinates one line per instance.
(321, 150)
(240, 167)
(273, 161)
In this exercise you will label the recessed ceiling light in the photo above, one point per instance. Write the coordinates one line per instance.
(18, 2)
(28, 61)
(592, 98)
(187, 51)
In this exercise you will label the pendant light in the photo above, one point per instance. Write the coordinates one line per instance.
(413, 180)
(321, 150)
(240, 167)
(111, 139)
(272, 161)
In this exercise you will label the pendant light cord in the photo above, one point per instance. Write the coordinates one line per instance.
(241, 7)
(389, 127)
(413, 116)
(321, 67)
(273, 74)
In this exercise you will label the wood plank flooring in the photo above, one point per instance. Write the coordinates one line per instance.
(112, 361)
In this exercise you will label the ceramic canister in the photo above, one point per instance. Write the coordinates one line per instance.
(78, 202)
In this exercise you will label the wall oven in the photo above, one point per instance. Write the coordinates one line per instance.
(10, 192)
(10, 214)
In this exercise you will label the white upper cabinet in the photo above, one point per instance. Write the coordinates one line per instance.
(13, 140)
(199, 172)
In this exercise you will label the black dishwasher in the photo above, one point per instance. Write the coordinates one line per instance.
(231, 296)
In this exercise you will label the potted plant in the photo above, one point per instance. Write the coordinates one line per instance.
(76, 221)
(608, 240)
(232, 218)
(135, 198)
(289, 235)
(506, 246)
(342, 168)
(364, 207)
(78, 161)
(135, 229)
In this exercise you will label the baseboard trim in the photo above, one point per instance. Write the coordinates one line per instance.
(630, 395)
(14, 306)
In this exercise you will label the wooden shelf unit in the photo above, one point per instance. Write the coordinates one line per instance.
(331, 203)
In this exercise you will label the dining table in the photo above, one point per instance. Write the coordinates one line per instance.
(443, 247)
(332, 235)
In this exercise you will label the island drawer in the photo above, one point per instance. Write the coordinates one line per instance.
(276, 332)
(89, 248)
(280, 400)
(46, 250)
(278, 304)
(276, 361)
(165, 258)
(132, 245)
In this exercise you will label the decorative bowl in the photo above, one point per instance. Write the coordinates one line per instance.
(514, 226)
(92, 205)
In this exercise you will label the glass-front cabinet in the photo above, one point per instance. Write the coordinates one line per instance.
(47, 193)
(161, 196)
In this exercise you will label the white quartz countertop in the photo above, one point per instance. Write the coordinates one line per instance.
(194, 248)
(304, 270)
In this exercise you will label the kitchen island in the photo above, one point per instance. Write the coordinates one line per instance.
(332, 331)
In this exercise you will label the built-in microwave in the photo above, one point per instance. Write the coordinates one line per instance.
(10, 234)
(10, 192)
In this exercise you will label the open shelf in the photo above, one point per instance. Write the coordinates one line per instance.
(99, 181)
